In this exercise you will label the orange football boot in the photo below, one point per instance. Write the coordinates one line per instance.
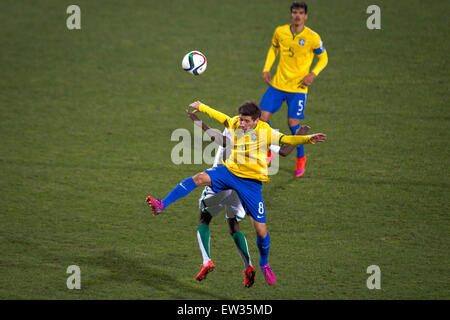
(249, 276)
(300, 170)
(209, 267)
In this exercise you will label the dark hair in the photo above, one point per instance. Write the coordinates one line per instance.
(298, 5)
(250, 108)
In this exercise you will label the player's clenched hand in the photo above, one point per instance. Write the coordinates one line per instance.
(267, 77)
(318, 137)
(195, 105)
(308, 79)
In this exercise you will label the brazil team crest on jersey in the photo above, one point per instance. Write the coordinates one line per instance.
(301, 42)
(254, 137)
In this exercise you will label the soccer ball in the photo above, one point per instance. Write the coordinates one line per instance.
(194, 62)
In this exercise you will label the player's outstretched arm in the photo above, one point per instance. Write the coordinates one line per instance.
(214, 135)
(285, 150)
(216, 115)
(295, 140)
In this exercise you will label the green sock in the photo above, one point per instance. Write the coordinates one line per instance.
(203, 236)
(241, 246)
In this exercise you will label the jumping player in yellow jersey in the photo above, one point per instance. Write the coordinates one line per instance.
(211, 204)
(244, 171)
(296, 44)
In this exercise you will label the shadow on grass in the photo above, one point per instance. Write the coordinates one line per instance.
(151, 273)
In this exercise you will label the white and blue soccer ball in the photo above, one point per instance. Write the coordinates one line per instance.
(194, 62)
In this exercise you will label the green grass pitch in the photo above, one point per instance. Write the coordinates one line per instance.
(85, 126)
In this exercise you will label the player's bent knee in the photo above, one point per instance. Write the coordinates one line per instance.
(261, 234)
(260, 229)
(293, 122)
(202, 179)
(265, 116)
(205, 218)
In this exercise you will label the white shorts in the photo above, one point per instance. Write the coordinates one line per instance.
(213, 203)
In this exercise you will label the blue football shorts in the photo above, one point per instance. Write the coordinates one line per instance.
(248, 190)
(274, 98)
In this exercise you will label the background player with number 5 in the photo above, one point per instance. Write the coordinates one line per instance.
(296, 44)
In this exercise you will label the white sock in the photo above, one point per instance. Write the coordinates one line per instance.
(275, 149)
(205, 256)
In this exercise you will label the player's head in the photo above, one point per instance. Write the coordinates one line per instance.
(299, 12)
(299, 5)
(249, 114)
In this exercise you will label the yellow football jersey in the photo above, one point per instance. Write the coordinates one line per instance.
(296, 56)
(248, 157)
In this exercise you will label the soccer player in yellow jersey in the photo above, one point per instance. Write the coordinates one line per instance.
(211, 204)
(296, 44)
(244, 170)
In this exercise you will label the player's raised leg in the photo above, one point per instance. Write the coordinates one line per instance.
(181, 190)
